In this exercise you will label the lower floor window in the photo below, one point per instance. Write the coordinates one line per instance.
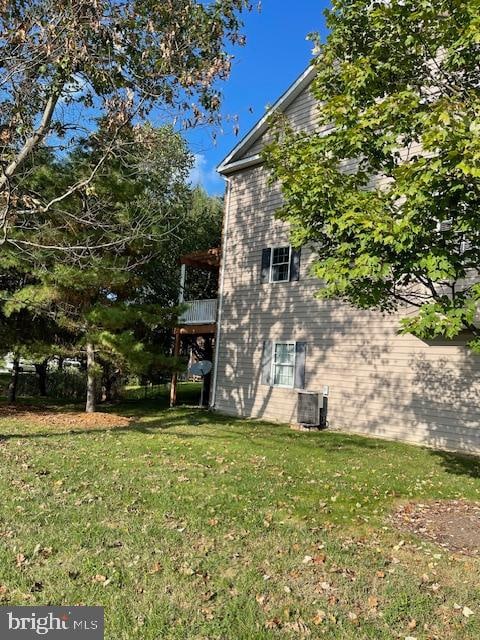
(283, 364)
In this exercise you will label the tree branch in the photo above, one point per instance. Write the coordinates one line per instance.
(33, 141)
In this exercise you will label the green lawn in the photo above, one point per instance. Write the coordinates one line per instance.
(195, 526)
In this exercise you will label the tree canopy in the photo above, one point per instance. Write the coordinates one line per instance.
(67, 66)
(386, 189)
(116, 296)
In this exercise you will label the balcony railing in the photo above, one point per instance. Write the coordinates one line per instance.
(200, 312)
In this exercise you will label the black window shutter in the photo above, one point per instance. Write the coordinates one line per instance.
(267, 363)
(266, 259)
(300, 355)
(295, 264)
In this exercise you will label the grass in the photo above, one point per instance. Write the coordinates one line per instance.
(188, 525)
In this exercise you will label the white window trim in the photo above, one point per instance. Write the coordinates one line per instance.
(294, 365)
(280, 246)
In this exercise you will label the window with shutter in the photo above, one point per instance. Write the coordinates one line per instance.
(283, 364)
(280, 264)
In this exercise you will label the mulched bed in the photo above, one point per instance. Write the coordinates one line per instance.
(51, 417)
(452, 524)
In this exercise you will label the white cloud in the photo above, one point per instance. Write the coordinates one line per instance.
(203, 175)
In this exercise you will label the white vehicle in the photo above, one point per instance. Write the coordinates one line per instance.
(71, 362)
(24, 366)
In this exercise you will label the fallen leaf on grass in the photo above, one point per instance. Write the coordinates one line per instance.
(298, 627)
(20, 560)
(156, 568)
(319, 617)
(467, 612)
(320, 559)
(353, 617)
(187, 571)
(208, 613)
(372, 602)
(274, 623)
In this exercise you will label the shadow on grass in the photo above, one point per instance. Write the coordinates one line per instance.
(154, 417)
(459, 464)
(187, 422)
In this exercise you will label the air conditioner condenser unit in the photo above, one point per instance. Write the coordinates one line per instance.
(312, 408)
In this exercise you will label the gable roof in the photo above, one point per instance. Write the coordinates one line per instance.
(234, 161)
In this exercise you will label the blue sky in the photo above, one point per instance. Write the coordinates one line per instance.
(276, 53)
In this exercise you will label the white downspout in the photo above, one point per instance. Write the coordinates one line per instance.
(220, 294)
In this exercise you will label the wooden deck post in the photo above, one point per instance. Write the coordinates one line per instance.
(173, 385)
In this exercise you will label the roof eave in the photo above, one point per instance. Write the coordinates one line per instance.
(244, 163)
(226, 166)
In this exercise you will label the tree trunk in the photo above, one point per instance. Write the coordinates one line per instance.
(90, 406)
(12, 387)
(108, 381)
(41, 370)
(207, 380)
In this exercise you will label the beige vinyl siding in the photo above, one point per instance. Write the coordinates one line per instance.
(302, 115)
(381, 383)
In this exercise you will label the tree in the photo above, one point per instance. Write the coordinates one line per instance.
(66, 65)
(25, 334)
(99, 297)
(397, 88)
(200, 229)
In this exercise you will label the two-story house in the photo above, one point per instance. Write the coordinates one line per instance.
(275, 339)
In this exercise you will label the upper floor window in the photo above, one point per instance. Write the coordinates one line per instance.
(280, 264)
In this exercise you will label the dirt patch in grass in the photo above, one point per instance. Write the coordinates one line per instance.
(452, 524)
(49, 417)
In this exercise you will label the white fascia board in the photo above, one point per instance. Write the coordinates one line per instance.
(259, 129)
(244, 163)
